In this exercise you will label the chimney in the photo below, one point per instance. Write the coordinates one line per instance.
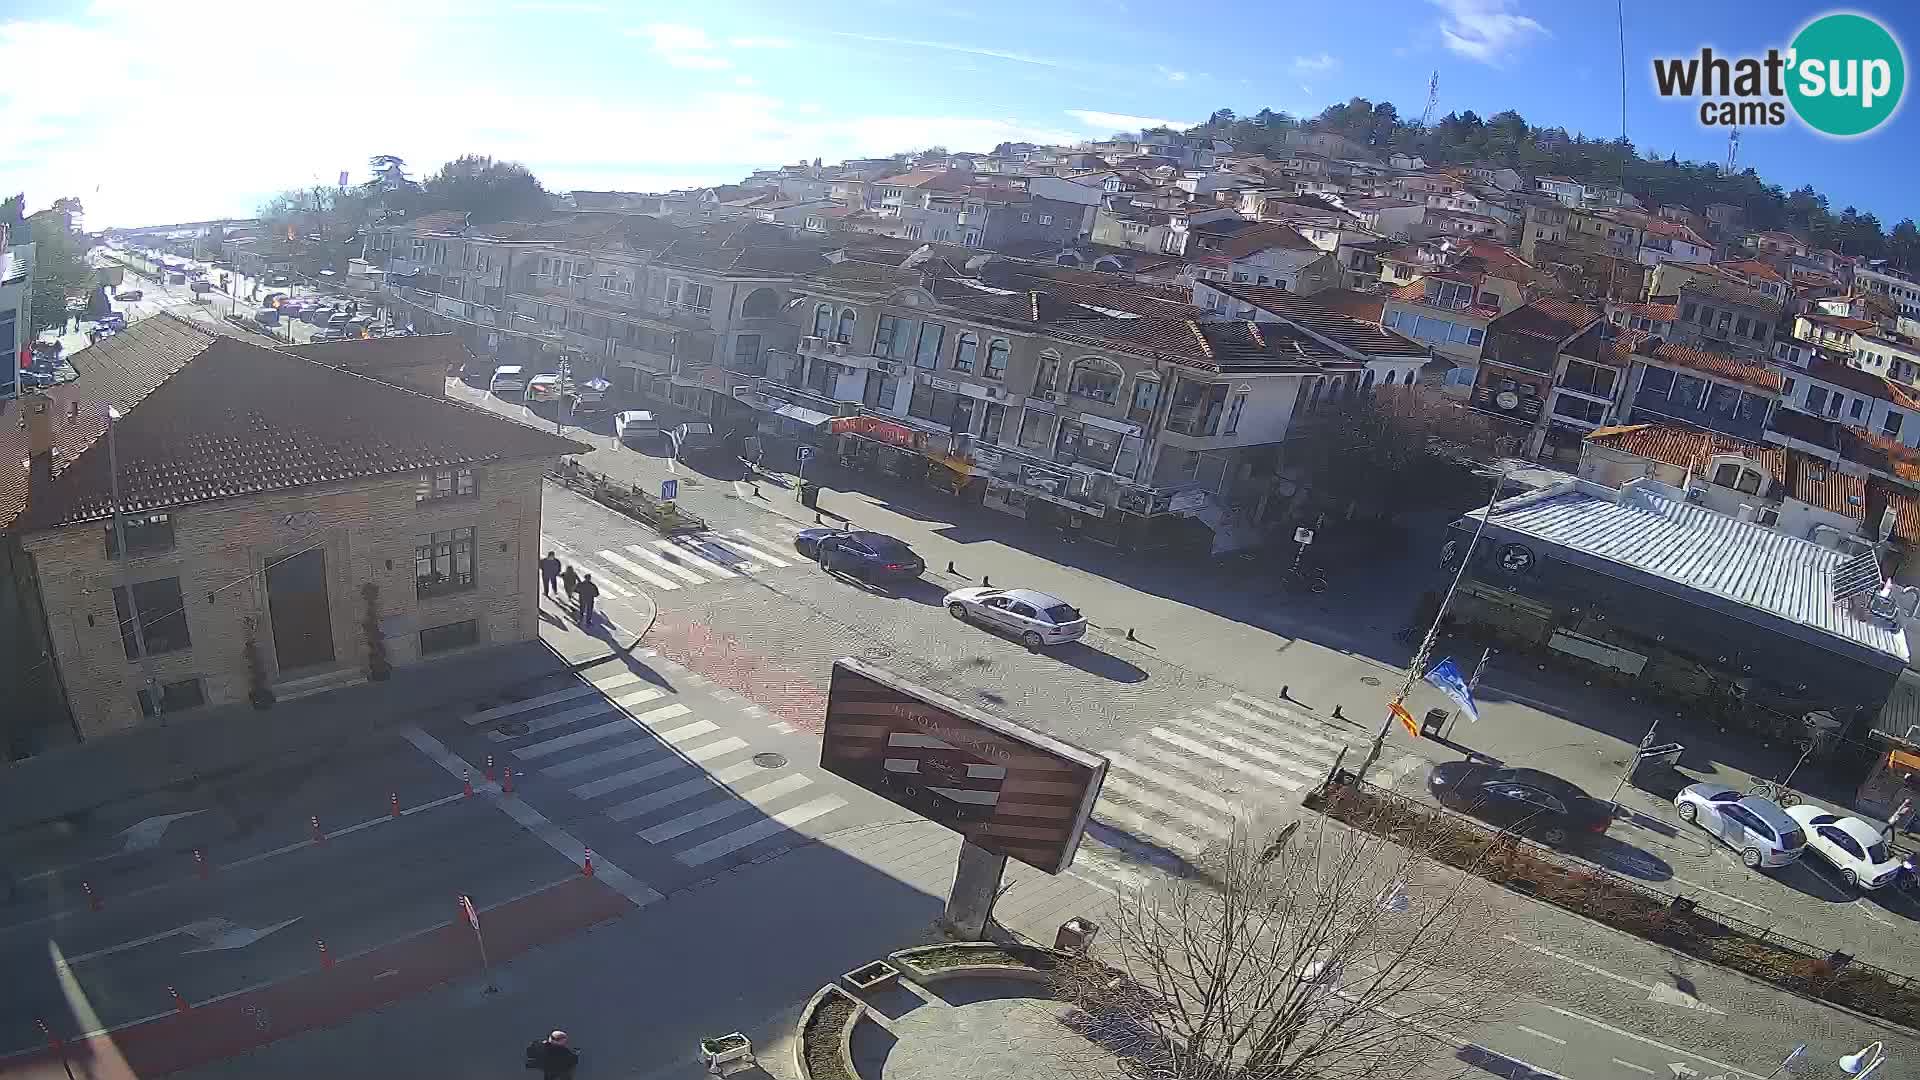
(39, 412)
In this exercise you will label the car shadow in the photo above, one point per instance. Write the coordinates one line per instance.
(1804, 877)
(1629, 859)
(1095, 662)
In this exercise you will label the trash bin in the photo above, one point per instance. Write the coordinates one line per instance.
(1435, 722)
(1075, 935)
(808, 494)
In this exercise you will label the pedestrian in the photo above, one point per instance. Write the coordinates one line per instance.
(1897, 821)
(570, 581)
(552, 1056)
(549, 572)
(589, 592)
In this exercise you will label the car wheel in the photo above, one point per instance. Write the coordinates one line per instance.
(1553, 836)
(1689, 813)
(1032, 640)
(1852, 879)
(957, 610)
(1751, 857)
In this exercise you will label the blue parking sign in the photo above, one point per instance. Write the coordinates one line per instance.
(669, 489)
(806, 452)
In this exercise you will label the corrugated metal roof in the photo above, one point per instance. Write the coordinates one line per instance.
(1771, 573)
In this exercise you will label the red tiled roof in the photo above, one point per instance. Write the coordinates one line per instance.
(1686, 448)
(1839, 322)
(1659, 309)
(1354, 305)
(1757, 376)
(1754, 268)
(1858, 381)
(1549, 318)
(1818, 483)
(207, 417)
(1307, 312)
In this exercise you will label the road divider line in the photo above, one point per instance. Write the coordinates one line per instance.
(1630, 1065)
(1538, 1034)
(1625, 1034)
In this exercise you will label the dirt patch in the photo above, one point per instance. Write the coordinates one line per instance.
(822, 1038)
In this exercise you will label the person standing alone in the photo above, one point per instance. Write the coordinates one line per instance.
(549, 573)
(588, 592)
(552, 1056)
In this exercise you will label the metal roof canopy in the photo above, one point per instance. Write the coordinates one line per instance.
(1648, 535)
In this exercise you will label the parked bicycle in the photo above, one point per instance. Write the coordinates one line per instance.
(1775, 790)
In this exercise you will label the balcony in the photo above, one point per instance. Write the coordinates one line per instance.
(645, 360)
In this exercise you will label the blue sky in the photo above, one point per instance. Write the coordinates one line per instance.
(157, 112)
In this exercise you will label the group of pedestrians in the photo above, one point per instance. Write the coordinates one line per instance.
(580, 589)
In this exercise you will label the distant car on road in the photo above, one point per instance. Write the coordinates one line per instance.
(870, 556)
(1852, 845)
(1537, 804)
(508, 379)
(129, 295)
(634, 425)
(1757, 828)
(113, 321)
(1036, 618)
(694, 439)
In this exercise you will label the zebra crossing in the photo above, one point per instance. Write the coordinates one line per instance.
(682, 562)
(645, 762)
(1182, 785)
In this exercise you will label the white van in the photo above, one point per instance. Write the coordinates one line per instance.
(634, 426)
(507, 380)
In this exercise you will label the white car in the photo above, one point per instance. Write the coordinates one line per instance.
(1850, 845)
(1757, 828)
(508, 379)
(1034, 617)
(632, 426)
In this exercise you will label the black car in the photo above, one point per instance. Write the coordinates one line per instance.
(870, 556)
(1528, 801)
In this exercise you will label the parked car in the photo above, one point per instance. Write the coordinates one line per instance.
(508, 379)
(1755, 827)
(870, 556)
(1853, 846)
(1036, 618)
(634, 425)
(332, 333)
(1537, 804)
(544, 387)
(339, 317)
(128, 295)
(113, 321)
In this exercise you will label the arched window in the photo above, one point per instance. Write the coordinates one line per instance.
(1097, 378)
(996, 359)
(1367, 383)
(965, 352)
(1390, 378)
(1313, 396)
(1047, 375)
(822, 320)
(844, 334)
(760, 304)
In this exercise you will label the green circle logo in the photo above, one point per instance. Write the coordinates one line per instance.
(1847, 76)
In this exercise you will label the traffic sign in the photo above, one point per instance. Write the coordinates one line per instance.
(806, 452)
(669, 489)
(1303, 536)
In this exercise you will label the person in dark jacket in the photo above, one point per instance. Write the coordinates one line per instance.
(571, 580)
(589, 592)
(549, 572)
(552, 1056)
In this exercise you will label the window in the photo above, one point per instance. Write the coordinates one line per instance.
(172, 697)
(697, 297)
(1234, 405)
(443, 562)
(1816, 399)
(823, 321)
(673, 290)
(934, 405)
(459, 635)
(1036, 429)
(1742, 328)
(1488, 299)
(1859, 406)
(163, 617)
(1046, 219)
(1589, 379)
(443, 484)
(1146, 394)
(746, 355)
(926, 355)
(1687, 310)
(914, 231)
(965, 351)
(844, 334)
(1786, 388)
(146, 534)
(1727, 474)
(1688, 391)
(996, 359)
(1095, 378)
(1891, 425)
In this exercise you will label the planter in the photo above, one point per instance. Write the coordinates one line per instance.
(873, 976)
(723, 1050)
(933, 963)
(824, 1049)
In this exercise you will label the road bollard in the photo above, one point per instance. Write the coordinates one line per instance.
(201, 864)
(489, 768)
(93, 898)
(986, 582)
(179, 1003)
(1130, 636)
(506, 780)
(1336, 713)
(393, 802)
(319, 837)
(466, 782)
(326, 958)
(951, 570)
(53, 1041)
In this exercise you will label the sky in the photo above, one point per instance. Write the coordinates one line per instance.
(155, 113)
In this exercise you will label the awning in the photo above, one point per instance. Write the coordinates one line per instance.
(803, 415)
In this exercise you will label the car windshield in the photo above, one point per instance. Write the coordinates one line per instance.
(1878, 853)
(1062, 613)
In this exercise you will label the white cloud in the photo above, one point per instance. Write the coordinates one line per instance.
(745, 80)
(685, 47)
(1170, 74)
(760, 43)
(956, 47)
(1485, 30)
(1315, 65)
(1106, 123)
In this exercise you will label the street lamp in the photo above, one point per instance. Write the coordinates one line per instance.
(1506, 469)
(1863, 1061)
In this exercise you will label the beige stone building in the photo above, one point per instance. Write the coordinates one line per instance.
(273, 506)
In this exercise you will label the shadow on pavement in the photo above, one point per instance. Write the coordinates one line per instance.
(1095, 662)
(966, 991)
(1629, 859)
(1499, 1064)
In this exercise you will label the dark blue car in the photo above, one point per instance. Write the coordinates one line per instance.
(870, 556)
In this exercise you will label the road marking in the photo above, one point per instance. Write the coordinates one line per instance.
(529, 704)
(612, 585)
(536, 823)
(742, 801)
(1148, 829)
(1721, 895)
(1301, 728)
(1199, 795)
(776, 544)
(1538, 1034)
(676, 552)
(1659, 992)
(786, 819)
(549, 747)
(1231, 762)
(1625, 1034)
(1291, 764)
(687, 732)
(686, 789)
(638, 571)
(1631, 1065)
(743, 545)
(667, 564)
(574, 716)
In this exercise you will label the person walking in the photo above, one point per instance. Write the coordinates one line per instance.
(552, 1056)
(549, 572)
(1901, 817)
(589, 592)
(570, 581)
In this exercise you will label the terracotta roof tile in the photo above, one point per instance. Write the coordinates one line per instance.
(1549, 318)
(1316, 318)
(1754, 268)
(1758, 376)
(1818, 483)
(1686, 448)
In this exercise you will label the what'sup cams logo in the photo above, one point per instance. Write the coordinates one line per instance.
(1843, 76)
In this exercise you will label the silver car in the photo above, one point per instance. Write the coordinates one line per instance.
(1036, 618)
(1757, 828)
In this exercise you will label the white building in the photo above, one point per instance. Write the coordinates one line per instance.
(16, 310)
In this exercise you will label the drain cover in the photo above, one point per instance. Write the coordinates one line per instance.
(1370, 680)
(878, 652)
(514, 727)
(769, 760)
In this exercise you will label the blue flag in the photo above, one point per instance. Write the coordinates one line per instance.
(1445, 676)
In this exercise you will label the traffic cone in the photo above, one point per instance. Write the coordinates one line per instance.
(200, 862)
(180, 1004)
(318, 836)
(506, 780)
(586, 866)
(466, 782)
(326, 958)
(393, 801)
(93, 898)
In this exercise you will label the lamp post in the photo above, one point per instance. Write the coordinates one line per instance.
(1419, 662)
(1863, 1061)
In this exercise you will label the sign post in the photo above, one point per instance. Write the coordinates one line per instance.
(669, 489)
(805, 455)
(473, 920)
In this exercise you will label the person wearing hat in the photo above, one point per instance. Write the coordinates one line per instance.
(552, 1056)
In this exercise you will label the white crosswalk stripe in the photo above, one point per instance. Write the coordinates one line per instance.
(690, 558)
(743, 545)
(574, 716)
(1184, 783)
(676, 563)
(666, 564)
(780, 822)
(639, 571)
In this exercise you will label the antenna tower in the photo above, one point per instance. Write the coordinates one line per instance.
(1433, 98)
